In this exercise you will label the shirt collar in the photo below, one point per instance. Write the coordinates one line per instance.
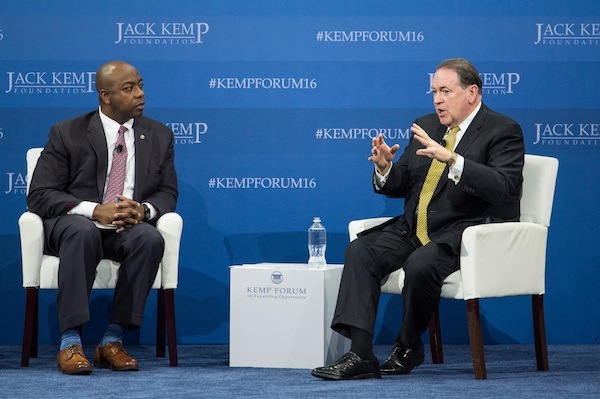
(110, 125)
(467, 122)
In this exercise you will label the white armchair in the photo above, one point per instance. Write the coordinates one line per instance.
(496, 260)
(40, 271)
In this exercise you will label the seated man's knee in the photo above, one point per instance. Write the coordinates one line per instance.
(354, 247)
(156, 238)
(81, 230)
(150, 236)
(417, 271)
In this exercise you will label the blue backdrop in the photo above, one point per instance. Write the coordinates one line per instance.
(274, 104)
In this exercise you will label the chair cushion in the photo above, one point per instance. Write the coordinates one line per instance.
(106, 274)
(452, 287)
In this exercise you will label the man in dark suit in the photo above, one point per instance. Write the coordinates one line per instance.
(86, 218)
(463, 166)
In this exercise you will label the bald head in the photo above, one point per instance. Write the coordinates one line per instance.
(120, 92)
(105, 75)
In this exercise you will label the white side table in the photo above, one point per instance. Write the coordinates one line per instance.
(280, 316)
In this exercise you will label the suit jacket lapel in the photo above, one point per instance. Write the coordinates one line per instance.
(468, 138)
(473, 131)
(143, 147)
(97, 139)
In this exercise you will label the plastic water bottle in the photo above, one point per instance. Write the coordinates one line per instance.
(317, 243)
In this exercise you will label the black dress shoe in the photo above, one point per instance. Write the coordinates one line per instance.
(349, 367)
(402, 360)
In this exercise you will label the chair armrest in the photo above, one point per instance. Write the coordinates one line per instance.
(358, 226)
(503, 259)
(31, 232)
(170, 226)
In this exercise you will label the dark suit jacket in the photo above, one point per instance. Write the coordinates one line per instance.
(489, 189)
(73, 165)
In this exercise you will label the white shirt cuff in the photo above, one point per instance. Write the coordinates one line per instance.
(153, 211)
(456, 170)
(379, 180)
(84, 208)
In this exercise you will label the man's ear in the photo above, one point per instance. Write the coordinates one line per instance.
(105, 96)
(473, 92)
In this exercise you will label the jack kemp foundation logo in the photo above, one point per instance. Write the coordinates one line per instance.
(17, 184)
(567, 134)
(568, 34)
(493, 83)
(188, 133)
(157, 33)
(50, 82)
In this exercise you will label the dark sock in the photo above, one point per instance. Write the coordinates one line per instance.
(114, 333)
(362, 343)
(415, 345)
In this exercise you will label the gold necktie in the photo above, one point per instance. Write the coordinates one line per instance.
(431, 181)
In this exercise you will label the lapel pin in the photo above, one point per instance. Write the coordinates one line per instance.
(142, 137)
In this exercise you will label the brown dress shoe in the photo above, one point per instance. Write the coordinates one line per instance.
(113, 356)
(71, 360)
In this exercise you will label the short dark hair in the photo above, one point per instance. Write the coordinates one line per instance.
(467, 73)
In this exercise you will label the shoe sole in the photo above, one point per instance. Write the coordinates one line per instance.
(108, 366)
(340, 378)
(82, 371)
(400, 372)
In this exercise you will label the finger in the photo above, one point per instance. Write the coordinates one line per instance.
(127, 222)
(417, 128)
(420, 139)
(120, 218)
(126, 202)
(418, 131)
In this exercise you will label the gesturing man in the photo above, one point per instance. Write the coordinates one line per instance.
(462, 167)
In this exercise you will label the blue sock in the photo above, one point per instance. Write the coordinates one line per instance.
(114, 333)
(70, 337)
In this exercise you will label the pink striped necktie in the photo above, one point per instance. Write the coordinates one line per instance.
(116, 180)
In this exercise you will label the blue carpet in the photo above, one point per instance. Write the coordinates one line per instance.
(204, 372)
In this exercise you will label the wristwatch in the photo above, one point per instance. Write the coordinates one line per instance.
(146, 212)
(452, 160)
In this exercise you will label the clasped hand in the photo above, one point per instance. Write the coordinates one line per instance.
(122, 213)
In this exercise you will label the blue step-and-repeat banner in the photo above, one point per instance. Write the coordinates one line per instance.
(274, 105)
